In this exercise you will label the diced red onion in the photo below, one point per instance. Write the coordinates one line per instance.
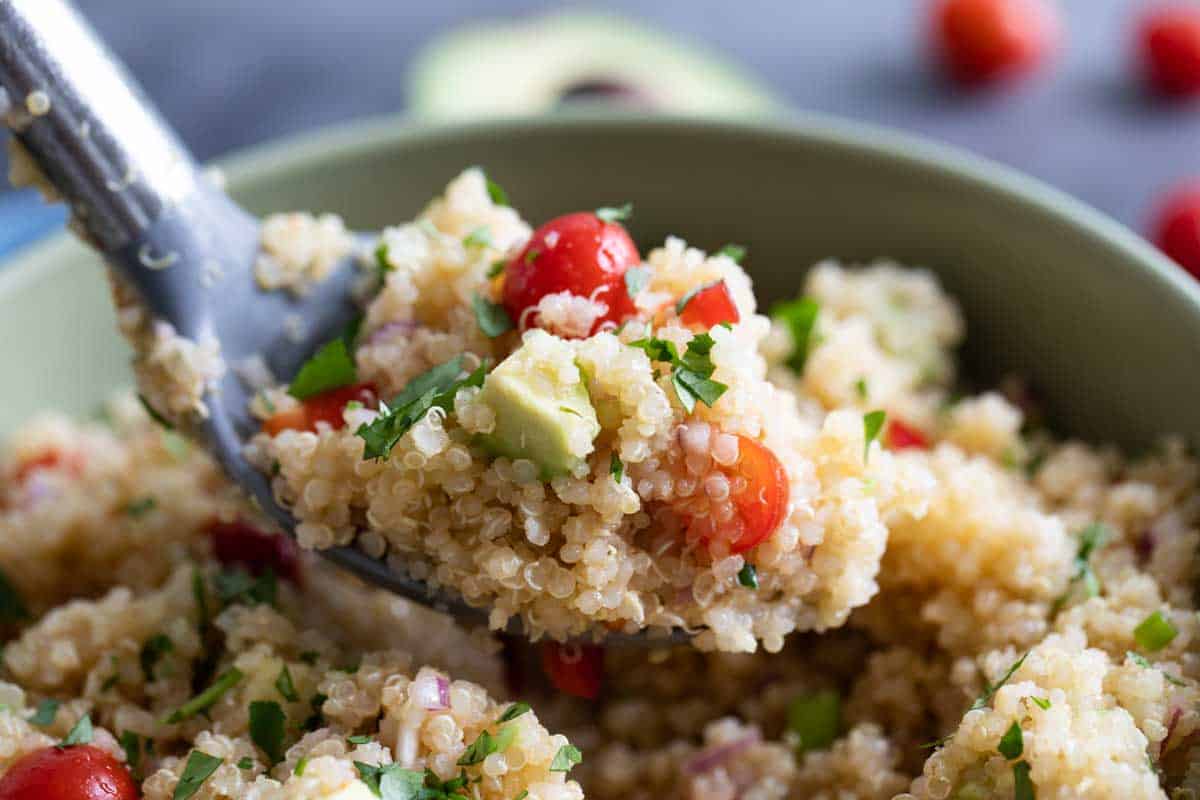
(1175, 715)
(718, 754)
(427, 692)
(443, 691)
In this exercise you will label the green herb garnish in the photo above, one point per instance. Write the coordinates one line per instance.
(314, 720)
(872, 426)
(208, 698)
(485, 744)
(800, 318)
(496, 192)
(200, 765)
(12, 606)
(301, 764)
(391, 782)
(1091, 539)
(567, 756)
(480, 237)
(734, 251)
(1041, 702)
(1012, 743)
(1022, 783)
(514, 711)
(492, 317)
(200, 598)
(381, 259)
(358, 739)
(245, 762)
(636, 279)
(435, 388)
(497, 268)
(137, 508)
(616, 467)
(131, 743)
(239, 586)
(748, 576)
(1154, 632)
(620, 214)
(331, 368)
(815, 719)
(860, 388)
(46, 711)
(1141, 661)
(80, 733)
(690, 373)
(154, 415)
(285, 686)
(989, 690)
(267, 722)
(152, 651)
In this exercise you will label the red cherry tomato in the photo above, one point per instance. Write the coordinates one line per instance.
(577, 253)
(903, 437)
(240, 543)
(764, 502)
(980, 41)
(1169, 49)
(51, 459)
(575, 669)
(325, 407)
(1176, 228)
(80, 772)
(710, 307)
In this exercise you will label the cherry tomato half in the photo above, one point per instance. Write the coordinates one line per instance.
(759, 507)
(710, 307)
(325, 407)
(904, 437)
(240, 543)
(1176, 229)
(1169, 49)
(80, 772)
(53, 458)
(574, 669)
(980, 41)
(577, 253)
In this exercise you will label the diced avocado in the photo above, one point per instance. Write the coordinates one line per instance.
(543, 412)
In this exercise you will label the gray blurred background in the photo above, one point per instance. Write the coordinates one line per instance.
(230, 73)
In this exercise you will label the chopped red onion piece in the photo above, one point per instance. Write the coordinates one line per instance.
(718, 754)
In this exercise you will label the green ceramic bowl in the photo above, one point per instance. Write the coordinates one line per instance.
(1107, 330)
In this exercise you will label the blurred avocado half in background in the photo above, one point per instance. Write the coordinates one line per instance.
(567, 59)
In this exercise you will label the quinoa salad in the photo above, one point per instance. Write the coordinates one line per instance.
(897, 589)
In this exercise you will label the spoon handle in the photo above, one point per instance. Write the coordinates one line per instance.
(135, 192)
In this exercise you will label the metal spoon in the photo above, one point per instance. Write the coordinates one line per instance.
(140, 199)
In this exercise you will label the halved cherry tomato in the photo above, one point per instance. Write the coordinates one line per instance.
(764, 502)
(1176, 227)
(710, 307)
(576, 669)
(240, 543)
(904, 437)
(53, 458)
(325, 407)
(577, 253)
(1169, 47)
(980, 41)
(80, 772)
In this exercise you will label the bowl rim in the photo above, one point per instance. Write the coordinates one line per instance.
(247, 166)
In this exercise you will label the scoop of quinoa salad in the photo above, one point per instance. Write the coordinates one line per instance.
(1018, 616)
(570, 434)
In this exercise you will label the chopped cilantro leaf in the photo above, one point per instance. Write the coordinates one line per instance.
(245, 762)
(80, 733)
(12, 605)
(391, 782)
(239, 586)
(436, 387)
(496, 192)
(990, 690)
(514, 711)
(619, 214)
(1012, 743)
(301, 764)
(524, 793)
(492, 317)
(131, 743)
(200, 765)
(690, 373)
(567, 756)
(285, 686)
(136, 508)
(636, 279)
(314, 720)
(748, 576)
(800, 318)
(266, 728)
(1022, 783)
(1154, 632)
(734, 251)
(47, 710)
(815, 719)
(358, 739)
(860, 388)
(1091, 539)
(484, 745)
(200, 598)
(616, 467)
(381, 259)
(496, 269)
(152, 651)
(480, 237)
(1041, 702)
(331, 368)
(154, 415)
(872, 426)
(1140, 660)
(208, 698)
